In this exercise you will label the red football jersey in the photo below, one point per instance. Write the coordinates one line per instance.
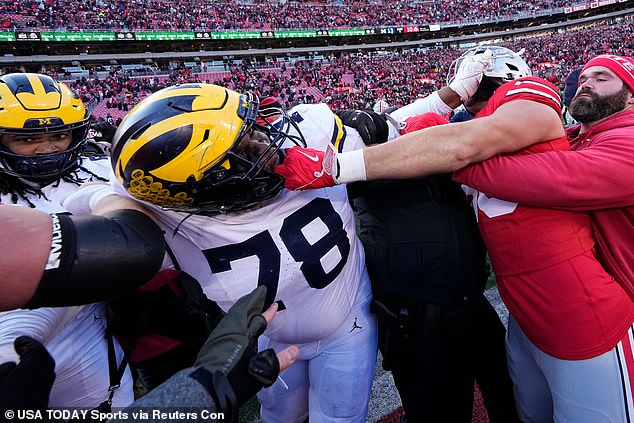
(544, 259)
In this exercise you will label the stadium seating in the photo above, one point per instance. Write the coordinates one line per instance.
(146, 15)
(356, 81)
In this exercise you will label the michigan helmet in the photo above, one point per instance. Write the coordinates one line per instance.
(177, 149)
(506, 64)
(35, 104)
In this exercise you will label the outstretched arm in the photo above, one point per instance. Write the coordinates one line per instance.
(464, 84)
(22, 264)
(598, 177)
(61, 260)
(439, 149)
(447, 148)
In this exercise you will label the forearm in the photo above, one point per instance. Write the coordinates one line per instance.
(446, 148)
(83, 200)
(574, 180)
(22, 263)
(449, 97)
(438, 149)
(95, 258)
(441, 102)
(115, 201)
(100, 199)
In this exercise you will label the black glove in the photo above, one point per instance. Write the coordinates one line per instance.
(102, 131)
(229, 365)
(27, 385)
(371, 126)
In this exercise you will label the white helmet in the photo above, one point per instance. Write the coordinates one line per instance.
(506, 64)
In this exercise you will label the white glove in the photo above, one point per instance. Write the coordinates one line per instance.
(469, 74)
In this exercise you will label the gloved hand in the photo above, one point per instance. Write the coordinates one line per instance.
(231, 355)
(100, 134)
(470, 73)
(102, 131)
(307, 168)
(370, 125)
(27, 385)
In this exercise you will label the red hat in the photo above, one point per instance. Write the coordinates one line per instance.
(269, 108)
(622, 66)
(423, 121)
(269, 101)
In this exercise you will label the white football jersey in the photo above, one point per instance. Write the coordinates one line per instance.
(74, 336)
(54, 193)
(301, 244)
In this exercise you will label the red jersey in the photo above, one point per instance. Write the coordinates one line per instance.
(599, 178)
(543, 258)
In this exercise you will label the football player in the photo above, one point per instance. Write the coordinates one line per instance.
(228, 369)
(570, 320)
(202, 157)
(197, 156)
(43, 127)
(426, 259)
(66, 260)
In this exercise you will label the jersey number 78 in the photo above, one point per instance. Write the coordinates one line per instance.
(309, 255)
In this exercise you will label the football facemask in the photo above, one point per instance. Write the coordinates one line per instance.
(182, 149)
(35, 105)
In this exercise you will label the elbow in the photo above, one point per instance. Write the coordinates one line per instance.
(144, 243)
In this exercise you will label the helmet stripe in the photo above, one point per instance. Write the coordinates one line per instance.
(149, 114)
(160, 151)
(46, 84)
(19, 83)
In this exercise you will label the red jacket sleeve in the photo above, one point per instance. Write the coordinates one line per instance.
(597, 177)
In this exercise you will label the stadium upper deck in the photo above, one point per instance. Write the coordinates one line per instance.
(117, 32)
(144, 15)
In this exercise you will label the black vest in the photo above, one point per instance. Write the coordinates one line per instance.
(421, 241)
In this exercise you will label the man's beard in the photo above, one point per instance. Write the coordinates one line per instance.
(597, 107)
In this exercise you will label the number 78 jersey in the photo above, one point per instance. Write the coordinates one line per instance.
(301, 245)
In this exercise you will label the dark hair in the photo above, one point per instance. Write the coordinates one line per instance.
(486, 89)
(18, 187)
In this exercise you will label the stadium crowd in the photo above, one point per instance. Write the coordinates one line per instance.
(355, 81)
(148, 15)
(405, 79)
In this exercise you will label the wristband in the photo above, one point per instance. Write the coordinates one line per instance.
(83, 200)
(100, 194)
(351, 167)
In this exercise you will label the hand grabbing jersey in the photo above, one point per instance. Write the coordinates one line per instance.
(307, 168)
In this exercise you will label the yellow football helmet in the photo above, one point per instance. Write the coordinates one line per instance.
(33, 104)
(178, 149)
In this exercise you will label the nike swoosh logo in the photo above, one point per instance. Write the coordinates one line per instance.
(313, 158)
